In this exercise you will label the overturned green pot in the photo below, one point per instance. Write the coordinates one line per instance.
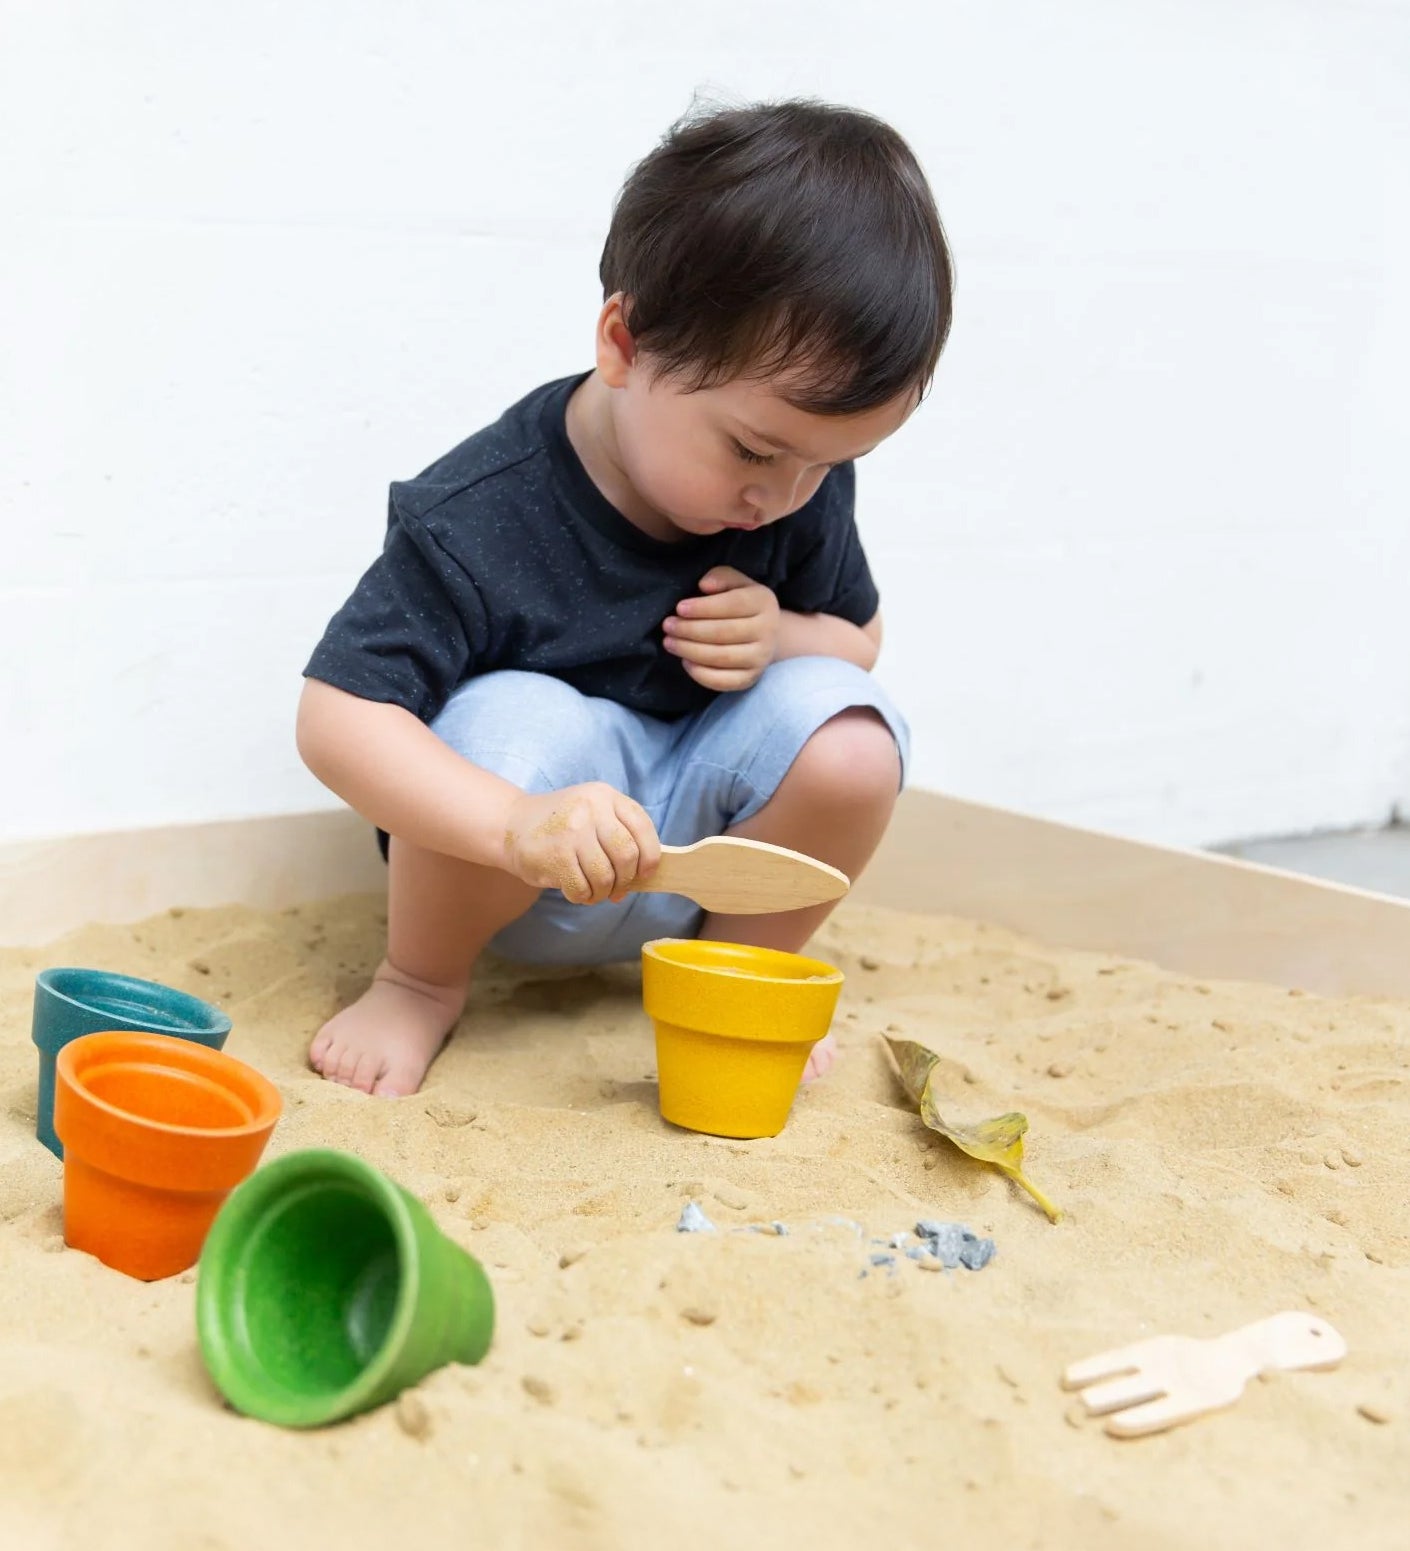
(325, 1289)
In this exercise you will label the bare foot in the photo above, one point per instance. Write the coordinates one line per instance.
(824, 1053)
(386, 1040)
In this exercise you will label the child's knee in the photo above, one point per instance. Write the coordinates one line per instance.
(852, 759)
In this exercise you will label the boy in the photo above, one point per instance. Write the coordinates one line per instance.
(635, 609)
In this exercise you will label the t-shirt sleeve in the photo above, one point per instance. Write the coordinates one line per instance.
(826, 570)
(413, 629)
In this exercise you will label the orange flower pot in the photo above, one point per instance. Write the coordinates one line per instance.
(157, 1132)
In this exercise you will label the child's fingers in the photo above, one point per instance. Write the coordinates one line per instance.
(725, 576)
(722, 678)
(722, 632)
(569, 879)
(643, 831)
(598, 872)
(622, 851)
(707, 656)
(737, 603)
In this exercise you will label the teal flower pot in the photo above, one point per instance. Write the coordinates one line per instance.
(72, 1002)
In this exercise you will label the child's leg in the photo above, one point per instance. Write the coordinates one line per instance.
(441, 912)
(834, 803)
(540, 734)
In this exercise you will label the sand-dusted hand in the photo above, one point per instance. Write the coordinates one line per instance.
(590, 841)
(733, 876)
(1152, 1385)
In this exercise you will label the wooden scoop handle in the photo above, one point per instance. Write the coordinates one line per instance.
(1286, 1341)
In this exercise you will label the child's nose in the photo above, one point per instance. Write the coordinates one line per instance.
(779, 496)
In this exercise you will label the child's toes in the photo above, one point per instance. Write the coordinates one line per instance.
(395, 1084)
(820, 1061)
(337, 1067)
(340, 1065)
(365, 1070)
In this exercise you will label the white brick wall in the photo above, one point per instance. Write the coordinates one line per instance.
(1143, 553)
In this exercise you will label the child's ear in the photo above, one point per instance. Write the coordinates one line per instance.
(616, 349)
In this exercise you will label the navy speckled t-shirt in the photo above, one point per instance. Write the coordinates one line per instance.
(504, 554)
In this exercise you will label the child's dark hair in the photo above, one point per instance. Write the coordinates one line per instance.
(792, 240)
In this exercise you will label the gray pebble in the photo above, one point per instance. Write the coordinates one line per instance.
(693, 1220)
(953, 1244)
(976, 1253)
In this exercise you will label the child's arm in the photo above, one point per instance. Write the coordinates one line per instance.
(590, 840)
(390, 767)
(825, 635)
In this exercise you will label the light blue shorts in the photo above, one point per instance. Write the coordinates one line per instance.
(697, 776)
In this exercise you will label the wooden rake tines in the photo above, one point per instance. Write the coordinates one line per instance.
(1154, 1384)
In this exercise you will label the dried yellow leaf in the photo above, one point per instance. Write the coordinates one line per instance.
(998, 1141)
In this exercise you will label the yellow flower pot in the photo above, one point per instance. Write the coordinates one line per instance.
(734, 1026)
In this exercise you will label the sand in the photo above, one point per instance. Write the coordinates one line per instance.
(1223, 1151)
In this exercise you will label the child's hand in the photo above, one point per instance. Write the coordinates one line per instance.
(726, 638)
(590, 841)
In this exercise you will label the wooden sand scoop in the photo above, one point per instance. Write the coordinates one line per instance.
(733, 876)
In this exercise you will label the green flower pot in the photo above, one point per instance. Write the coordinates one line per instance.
(325, 1289)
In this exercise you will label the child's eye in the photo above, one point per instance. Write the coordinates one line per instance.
(748, 454)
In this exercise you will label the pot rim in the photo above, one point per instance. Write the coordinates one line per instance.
(267, 1111)
(235, 1230)
(829, 974)
(211, 1021)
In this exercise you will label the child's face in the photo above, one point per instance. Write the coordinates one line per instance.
(734, 456)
